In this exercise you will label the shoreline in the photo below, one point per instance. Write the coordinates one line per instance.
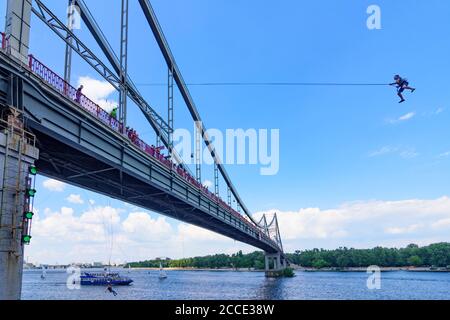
(301, 269)
(382, 269)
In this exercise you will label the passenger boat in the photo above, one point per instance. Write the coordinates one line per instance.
(104, 279)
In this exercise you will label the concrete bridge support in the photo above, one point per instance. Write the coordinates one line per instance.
(17, 154)
(275, 264)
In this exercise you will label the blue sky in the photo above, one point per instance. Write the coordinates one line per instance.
(338, 144)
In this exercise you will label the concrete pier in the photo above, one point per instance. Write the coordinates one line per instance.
(275, 265)
(17, 154)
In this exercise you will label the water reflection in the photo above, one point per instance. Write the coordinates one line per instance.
(271, 289)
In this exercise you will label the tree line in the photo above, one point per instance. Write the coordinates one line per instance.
(435, 255)
(239, 260)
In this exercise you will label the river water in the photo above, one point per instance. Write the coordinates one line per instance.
(211, 285)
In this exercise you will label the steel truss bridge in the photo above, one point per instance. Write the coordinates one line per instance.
(82, 145)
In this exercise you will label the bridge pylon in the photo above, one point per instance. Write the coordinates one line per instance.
(17, 156)
(18, 18)
(275, 263)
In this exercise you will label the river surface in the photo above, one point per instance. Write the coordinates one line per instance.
(211, 285)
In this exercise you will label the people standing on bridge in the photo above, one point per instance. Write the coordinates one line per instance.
(78, 94)
(134, 137)
(402, 85)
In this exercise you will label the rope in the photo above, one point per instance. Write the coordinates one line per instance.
(210, 84)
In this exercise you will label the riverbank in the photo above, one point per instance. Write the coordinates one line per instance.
(302, 269)
(201, 269)
(382, 269)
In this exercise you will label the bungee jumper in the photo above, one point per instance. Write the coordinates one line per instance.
(110, 289)
(402, 85)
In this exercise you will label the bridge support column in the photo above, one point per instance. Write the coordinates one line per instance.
(272, 262)
(17, 154)
(277, 261)
(18, 19)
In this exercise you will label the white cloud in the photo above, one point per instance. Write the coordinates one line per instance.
(140, 226)
(99, 92)
(65, 225)
(443, 223)
(409, 153)
(190, 232)
(366, 224)
(405, 153)
(384, 150)
(407, 116)
(439, 110)
(444, 154)
(54, 185)
(402, 118)
(207, 184)
(96, 234)
(75, 199)
(402, 230)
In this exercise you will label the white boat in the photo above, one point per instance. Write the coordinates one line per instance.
(162, 274)
(44, 274)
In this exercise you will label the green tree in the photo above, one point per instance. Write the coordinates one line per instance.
(415, 261)
(320, 264)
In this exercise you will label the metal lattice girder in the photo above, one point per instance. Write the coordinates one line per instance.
(271, 230)
(124, 62)
(45, 14)
(132, 91)
(216, 180)
(170, 101)
(68, 55)
(170, 60)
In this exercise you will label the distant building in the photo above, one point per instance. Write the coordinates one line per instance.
(163, 259)
(28, 265)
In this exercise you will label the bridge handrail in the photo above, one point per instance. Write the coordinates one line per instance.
(3, 40)
(64, 88)
(67, 90)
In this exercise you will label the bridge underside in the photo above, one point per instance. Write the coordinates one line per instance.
(87, 172)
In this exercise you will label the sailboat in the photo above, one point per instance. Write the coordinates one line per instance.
(44, 274)
(162, 274)
(106, 277)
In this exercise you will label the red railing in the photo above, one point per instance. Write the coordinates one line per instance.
(65, 89)
(3, 39)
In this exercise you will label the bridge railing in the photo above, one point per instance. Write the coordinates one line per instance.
(64, 88)
(3, 40)
(67, 90)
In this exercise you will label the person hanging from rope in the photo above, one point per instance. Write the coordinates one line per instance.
(402, 85)
(111, 290)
